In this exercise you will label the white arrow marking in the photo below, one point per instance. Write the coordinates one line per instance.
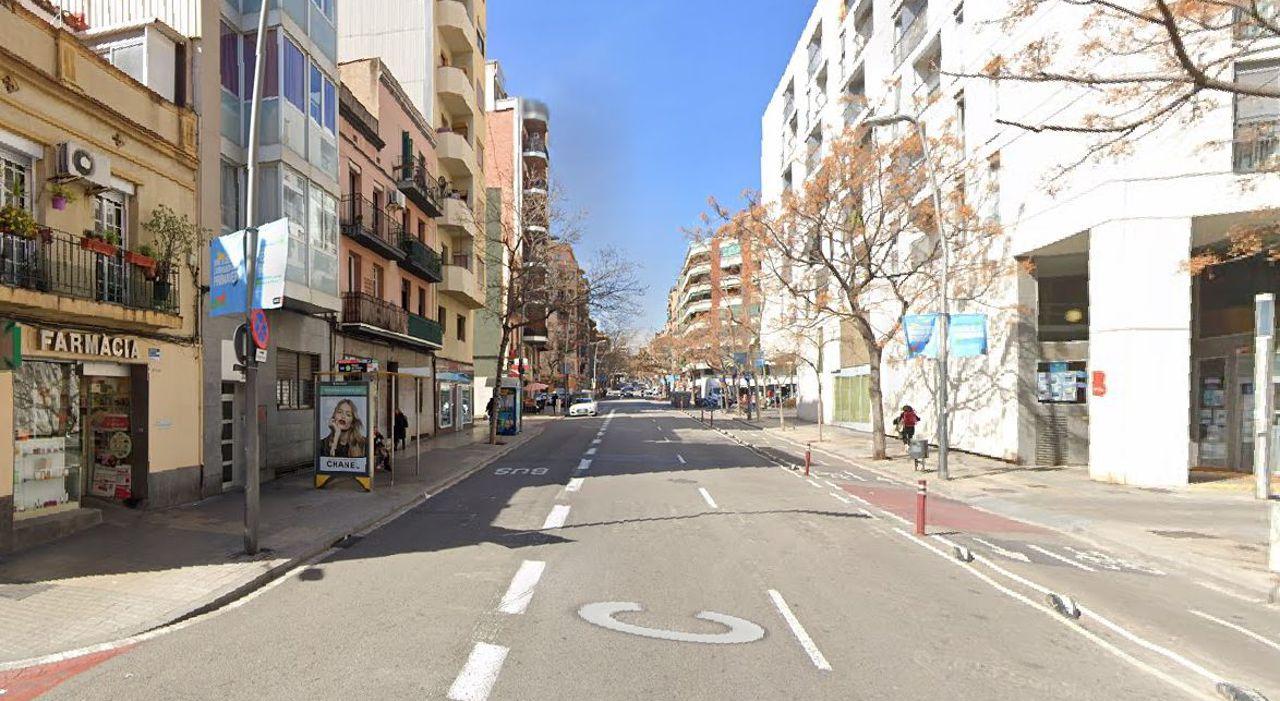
(1012, 555)
(740, 629)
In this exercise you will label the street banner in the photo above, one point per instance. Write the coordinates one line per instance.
(227, 270)
(344, 444)
(919, 331)
(968, 335)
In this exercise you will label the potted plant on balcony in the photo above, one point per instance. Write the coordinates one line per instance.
(75, 20)
(106, 243)
(143, 257)
(176, 238)
(15, 220)
(60, 196)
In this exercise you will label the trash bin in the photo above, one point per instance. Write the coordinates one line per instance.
(919, 449)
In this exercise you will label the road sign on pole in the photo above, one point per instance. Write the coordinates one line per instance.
(260, 328)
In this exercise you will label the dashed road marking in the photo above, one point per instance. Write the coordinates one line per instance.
(590, 451)
(574, 484)
(1012, 555)
(814, 483)
(518, 595)
(478, 675)
(1060, 558)
(680, 458)
(595, 441)
(706, 496)
(885, 479)
(584, 465)
(555, 519)
(831, 484)
(851, 475)
(1239, 629)
(840, 498)
(806, 642)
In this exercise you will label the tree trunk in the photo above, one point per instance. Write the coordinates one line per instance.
(877, 403)
(497, 384)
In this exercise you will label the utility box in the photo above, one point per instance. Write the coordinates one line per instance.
(919, 449)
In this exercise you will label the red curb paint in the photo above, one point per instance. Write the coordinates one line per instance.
(944, 514)
(31, 682)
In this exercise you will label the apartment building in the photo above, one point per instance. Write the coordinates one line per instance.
(715, 306)
(435, 48)
(391, 202)
(566, 361)
(517, 175)
(100, 374)
(1101, 324)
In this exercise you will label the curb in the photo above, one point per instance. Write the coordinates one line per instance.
(287, 565)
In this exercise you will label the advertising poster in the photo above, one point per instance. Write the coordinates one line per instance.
(967, 335)
(227, 270)
(343, 430)
(919, 331)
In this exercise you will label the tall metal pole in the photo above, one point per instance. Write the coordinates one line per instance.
(944, 320)
(251, 457)
(1264, 306)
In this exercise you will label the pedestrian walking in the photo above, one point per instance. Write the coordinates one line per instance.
(906, 424)
(400, 429)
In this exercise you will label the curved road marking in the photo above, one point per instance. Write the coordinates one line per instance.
(740, 630)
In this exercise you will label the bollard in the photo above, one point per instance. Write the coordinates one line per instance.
(808, 457)
(921, 495)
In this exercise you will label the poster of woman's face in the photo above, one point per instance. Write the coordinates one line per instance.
(344, 441)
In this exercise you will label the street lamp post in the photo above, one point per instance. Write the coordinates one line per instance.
(944, 320)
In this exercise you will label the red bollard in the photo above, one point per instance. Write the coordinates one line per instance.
(808, 457)
(921, 501)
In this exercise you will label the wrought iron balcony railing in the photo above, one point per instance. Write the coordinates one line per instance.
(371, 226)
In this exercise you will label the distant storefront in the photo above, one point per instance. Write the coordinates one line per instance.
(455, 408)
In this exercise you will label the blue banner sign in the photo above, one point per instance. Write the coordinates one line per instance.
(967, 335)
(227, 270)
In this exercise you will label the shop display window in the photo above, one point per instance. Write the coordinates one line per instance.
(47, 437)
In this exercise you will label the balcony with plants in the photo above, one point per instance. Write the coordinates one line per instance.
(371, 226)
(421, 260)
(413, 179)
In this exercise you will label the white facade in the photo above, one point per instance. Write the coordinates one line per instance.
(1122, 229)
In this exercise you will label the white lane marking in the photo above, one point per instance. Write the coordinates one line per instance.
(740, 630)
(1061, 558)
(868, 514)
(706, 496)
(859, 499)
(813, 482)
(1223, 590)
(1011, 554)
(1093, 637)
(810, 648)
(590, 451)
(791, 472)
(557, 517)
(1239, 629)
(882, 479)
(851, 475)
(574, 485)
(680, 458)
(831, 484)
(658, 427)
(518, 595)
(584, 465)
(837, 496)
(595, 441)
(478, 675)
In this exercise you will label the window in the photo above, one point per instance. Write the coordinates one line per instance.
(330, 106)
(295, 208)
(270, 73)
(377, 281)
(353, 272)
(130, 58)
(230, 196)
(422, 302)
(295, 75)
(229, 59)
(462, 328)
(317, 103)
(295, 379)
(109, 214)
(441, 317)
(405, 291)
(325, 6)
(15, 177)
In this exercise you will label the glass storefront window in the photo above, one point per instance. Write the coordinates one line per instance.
(47, 436)
(445, 393)
(464, 406)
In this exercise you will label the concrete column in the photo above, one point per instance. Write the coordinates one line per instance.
(1140, 337)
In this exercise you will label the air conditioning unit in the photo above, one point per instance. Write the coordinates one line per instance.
(77, 161)
(395, 199)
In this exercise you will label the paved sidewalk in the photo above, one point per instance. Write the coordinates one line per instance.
(1213, 526)
(142, 569)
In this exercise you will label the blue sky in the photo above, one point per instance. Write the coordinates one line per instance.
(655, 105)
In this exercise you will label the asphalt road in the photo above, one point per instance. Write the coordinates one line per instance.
(647, 556)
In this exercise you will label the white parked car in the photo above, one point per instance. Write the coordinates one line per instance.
(583, 406)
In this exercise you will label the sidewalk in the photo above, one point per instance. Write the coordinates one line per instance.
(1213, 526)
(143, 569)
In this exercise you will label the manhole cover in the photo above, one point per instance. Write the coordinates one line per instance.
(1183, 534)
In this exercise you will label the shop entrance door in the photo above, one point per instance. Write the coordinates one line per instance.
(1211, 414)
(109, 439)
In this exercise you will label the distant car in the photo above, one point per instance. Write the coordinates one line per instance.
(583, 406)
(612, 394)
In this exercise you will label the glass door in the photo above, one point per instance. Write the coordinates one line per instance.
(1211, 413)
(110, 442)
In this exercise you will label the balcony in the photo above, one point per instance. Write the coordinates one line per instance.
(421, 260)
(535, 147)
(816, 59)
(418, 185)
(456, 155)
(456, 26)
(371, 227)
(64, 265)
(456, 91)
(536, 334)
(458, 217)
(910, 34)
(462, 282)
(367, 315)
(426, 330)
(535, 186)
(1256, 147)
(535, 111)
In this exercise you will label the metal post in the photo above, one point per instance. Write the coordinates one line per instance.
(394, 382)
(808, 457)
(251, 456)
(417, 426)
(1264, 312)
(922, 495)
(944, 320)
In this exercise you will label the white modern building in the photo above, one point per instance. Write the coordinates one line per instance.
(1105, 350)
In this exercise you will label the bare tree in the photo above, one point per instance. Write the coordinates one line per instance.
(534, 285)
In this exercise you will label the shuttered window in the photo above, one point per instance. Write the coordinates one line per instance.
(296, 379)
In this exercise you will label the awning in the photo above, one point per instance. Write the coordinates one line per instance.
(535, 387)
